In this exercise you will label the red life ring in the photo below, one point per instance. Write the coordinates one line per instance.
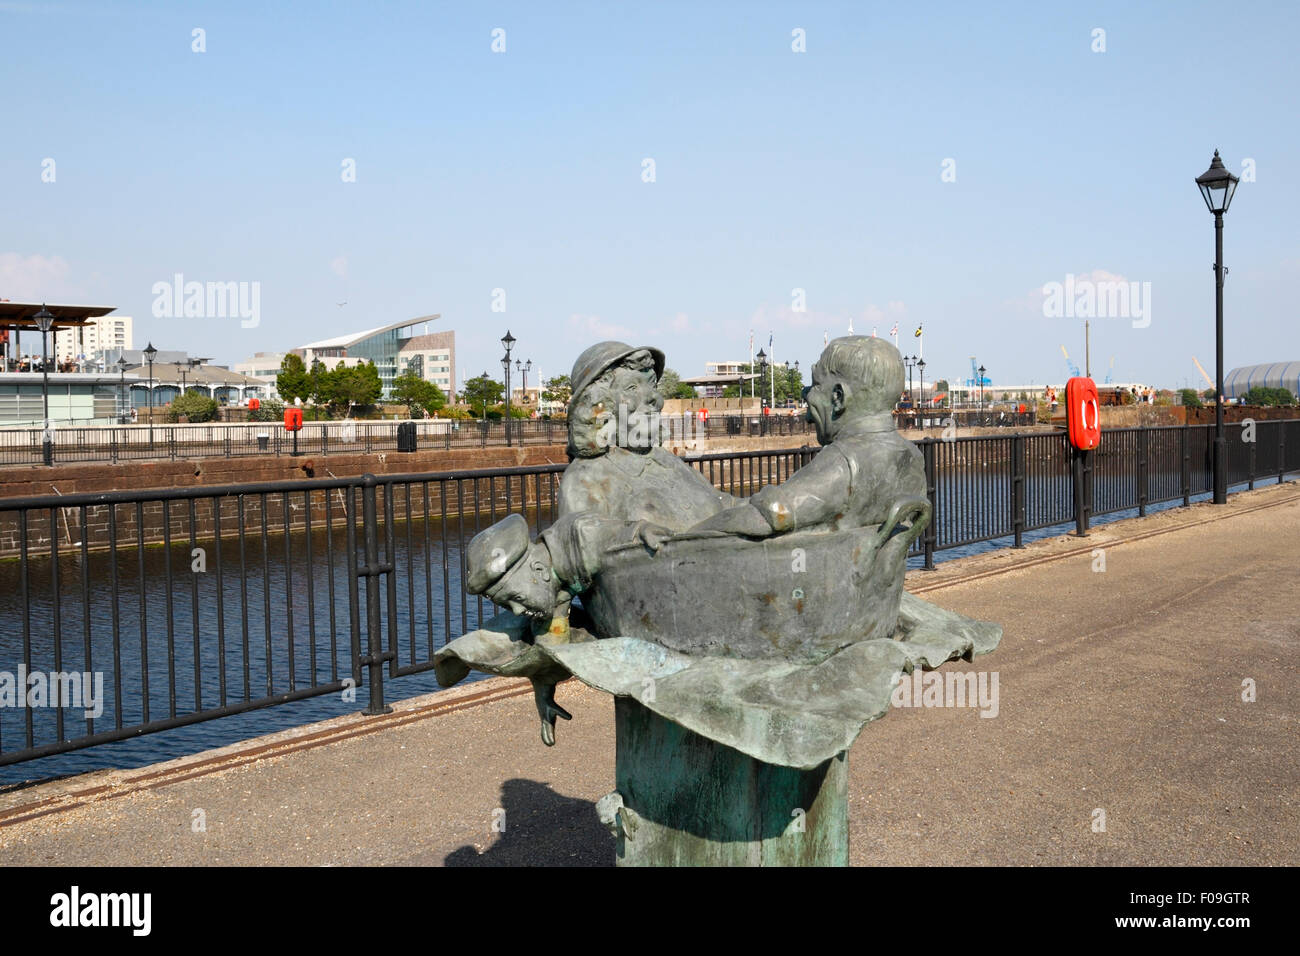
(1082, 413)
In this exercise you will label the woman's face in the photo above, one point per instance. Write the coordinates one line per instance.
(635, 389)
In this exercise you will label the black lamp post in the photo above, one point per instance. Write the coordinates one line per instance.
(149, 354)
(523, 368)
(909, 362)
(981, 375)
(508, 341)
(1217, 186)
(920, 374)
(45, 322)
(121, 368)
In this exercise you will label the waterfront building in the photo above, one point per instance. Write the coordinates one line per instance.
(87, 345)
(1239, 381)
(393, 349)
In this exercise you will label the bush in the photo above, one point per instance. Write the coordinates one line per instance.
(1262, 395)
(269, 410)
(1190, 398)
(195, 408)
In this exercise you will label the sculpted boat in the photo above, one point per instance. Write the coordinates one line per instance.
(800, 597)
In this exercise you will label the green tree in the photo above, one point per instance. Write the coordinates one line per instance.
(195, 406)
(320, 383)
(481, 391)
(788, 382)
(672, 386)
(1190, 398)
(1265, 395)
(415, 392)
(359, 385)
(293, 380)
(557, 389)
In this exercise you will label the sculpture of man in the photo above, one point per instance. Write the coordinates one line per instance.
(867, 473)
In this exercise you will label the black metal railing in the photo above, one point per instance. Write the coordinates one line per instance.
(197, 603)
(24, 446)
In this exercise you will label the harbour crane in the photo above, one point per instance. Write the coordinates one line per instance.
(1070, 366)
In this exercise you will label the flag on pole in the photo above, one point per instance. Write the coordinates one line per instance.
(917, 333)
(893, 333)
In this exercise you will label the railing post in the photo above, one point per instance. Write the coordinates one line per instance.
(1017, 488)
(113, 439)
(1250, 462)
(375, 656)
(1281, 451)
(1143, 470)
(1184, 445)
(324, 439)
(929, 536)
(171, 442)
(1080, 496)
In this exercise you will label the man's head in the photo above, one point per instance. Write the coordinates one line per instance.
(510, 571)
(856, 375)
(615, 399)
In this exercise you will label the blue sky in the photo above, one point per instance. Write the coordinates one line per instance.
(774, 171)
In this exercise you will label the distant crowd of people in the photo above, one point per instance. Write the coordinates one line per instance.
(34, 365)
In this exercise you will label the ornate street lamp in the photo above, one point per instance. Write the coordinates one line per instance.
(982, 370)
(121, 368)
(508, 341)
(523, 368)
(149, 354)
(920, 374)
(45, 322)
(1217, 187)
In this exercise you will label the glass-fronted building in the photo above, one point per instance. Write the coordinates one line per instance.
(392, 349)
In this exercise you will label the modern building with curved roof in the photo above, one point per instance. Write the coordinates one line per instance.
(1239, 381)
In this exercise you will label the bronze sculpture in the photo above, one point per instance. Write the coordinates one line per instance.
(775, 626)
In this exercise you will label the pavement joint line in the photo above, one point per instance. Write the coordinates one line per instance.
(1088, 549)
(357, 725)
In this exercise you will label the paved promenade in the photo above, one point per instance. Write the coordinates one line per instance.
(1119, 691)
